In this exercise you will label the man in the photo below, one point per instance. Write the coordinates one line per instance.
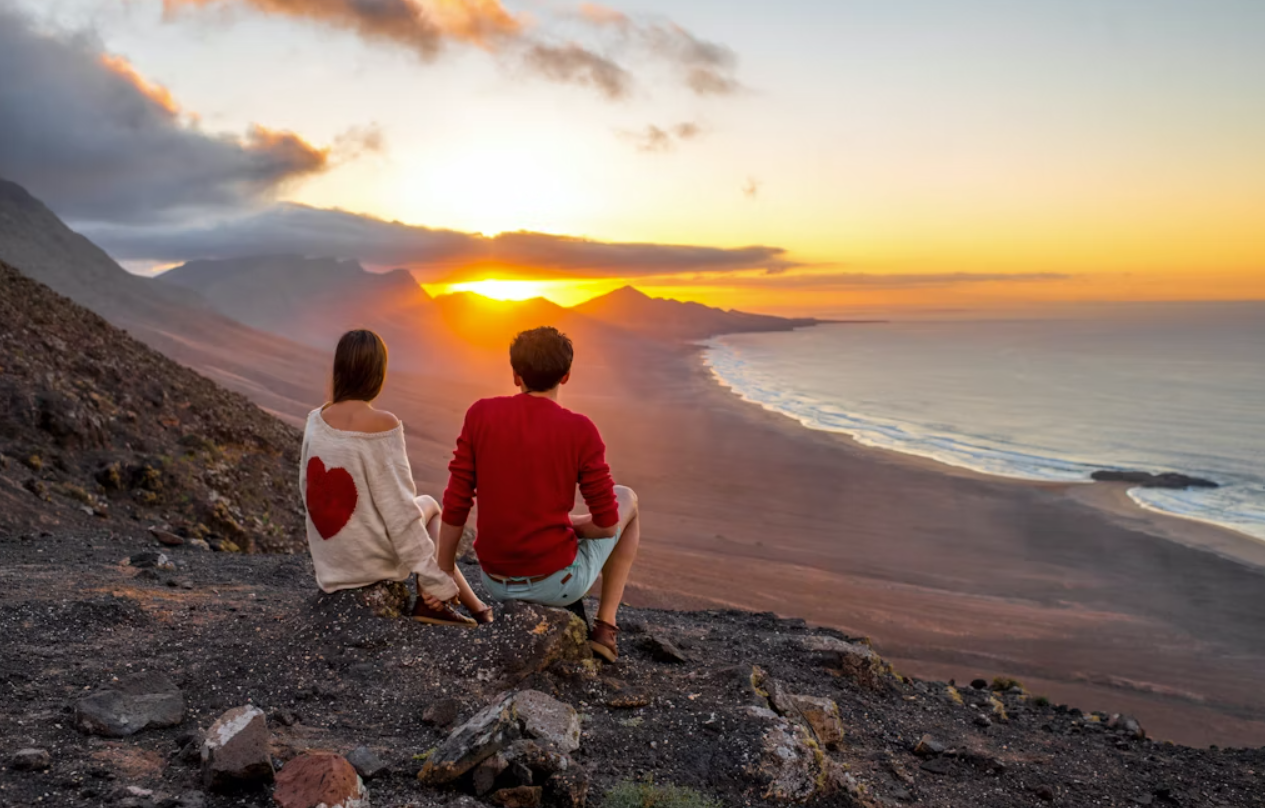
(523, 457)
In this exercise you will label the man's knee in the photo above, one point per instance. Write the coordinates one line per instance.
(627, 499)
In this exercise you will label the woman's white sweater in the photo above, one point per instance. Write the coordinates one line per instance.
(365, 522)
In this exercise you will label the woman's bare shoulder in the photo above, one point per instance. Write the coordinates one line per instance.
(379, 421)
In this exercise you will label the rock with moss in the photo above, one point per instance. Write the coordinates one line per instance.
(512, 717)
(855, 660)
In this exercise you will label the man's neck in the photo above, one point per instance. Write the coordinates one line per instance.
(552, 395)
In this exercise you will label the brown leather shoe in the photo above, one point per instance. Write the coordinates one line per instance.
(602, 639)
(443, 616)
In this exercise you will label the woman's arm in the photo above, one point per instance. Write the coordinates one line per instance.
(391, 486)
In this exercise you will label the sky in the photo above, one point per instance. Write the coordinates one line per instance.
(804, 157)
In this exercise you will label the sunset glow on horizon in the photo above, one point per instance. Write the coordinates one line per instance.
(798, 157)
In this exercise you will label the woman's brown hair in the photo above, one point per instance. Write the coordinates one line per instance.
(360, 366)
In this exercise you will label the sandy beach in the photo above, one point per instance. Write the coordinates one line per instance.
(1073, 589)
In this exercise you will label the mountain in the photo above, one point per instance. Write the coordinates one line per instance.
(44, 248)
(634, 310)
(98, 426)
(177, 321)
(311, 300)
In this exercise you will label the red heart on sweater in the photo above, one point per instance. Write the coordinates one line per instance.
(331, 498)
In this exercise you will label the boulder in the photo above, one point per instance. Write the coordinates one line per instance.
(138, 702)
(166, 537)
(854, 660)
(822, 717)
(528, 638)
(789, 766)
(661, 649)
(235, 753)
(528, 714)
(1146, 479)
(927, 747)
(386, 599)
(366, 762)
(547, 719)
(31, 760)
(486, 773)
(320, 780)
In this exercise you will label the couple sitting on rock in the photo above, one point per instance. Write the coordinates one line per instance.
(522, 456)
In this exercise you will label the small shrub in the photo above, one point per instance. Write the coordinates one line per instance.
(1041, 701)
(77, 493)
(629, 794)
(1004, 683)
(34, 462)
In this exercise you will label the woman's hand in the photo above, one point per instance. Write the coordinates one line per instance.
(434, 602)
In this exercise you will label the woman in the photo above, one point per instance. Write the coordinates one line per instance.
(365, 521)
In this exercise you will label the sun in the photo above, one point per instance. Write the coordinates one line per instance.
(564, 292)
(501, 290)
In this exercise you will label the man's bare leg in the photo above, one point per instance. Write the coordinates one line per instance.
(618, 567)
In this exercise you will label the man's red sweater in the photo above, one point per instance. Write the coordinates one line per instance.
(524, 455)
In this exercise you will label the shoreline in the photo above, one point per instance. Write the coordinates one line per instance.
(954, 573)
(1215, 536)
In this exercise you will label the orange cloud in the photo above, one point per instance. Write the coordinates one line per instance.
(157, 93)
(290, 154)
(603, 15)
(421, 25)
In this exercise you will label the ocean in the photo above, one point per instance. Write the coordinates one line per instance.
(1150, 387)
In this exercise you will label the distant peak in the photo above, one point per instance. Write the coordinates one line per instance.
(630, 291)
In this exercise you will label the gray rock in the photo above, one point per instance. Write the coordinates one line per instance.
(547, 719)
(528, 714)
(788, 766)
(857, 661)
(166, 537)
(151, 559)
(442, 713)
(235, 753)
(366, 762)
(485, 774)
(191, 799)
(31, 760)
(661, 649)
(928, 747)
(138, 702)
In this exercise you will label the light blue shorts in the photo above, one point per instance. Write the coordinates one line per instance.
(565, 586)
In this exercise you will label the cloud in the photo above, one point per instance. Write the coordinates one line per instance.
(705, 67)
(432, 253)
(426, 27)
(655, 139)
(85, 132)
(423, 27)
(572, 64)
(788, 278)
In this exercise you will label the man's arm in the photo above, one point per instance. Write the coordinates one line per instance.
(597, 488)
(449, 541)
(458, 496)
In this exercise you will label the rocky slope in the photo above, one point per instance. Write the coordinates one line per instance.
(97, 426)
(118, 677)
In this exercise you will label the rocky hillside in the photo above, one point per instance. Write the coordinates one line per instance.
(216, 679)
(97, 426)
